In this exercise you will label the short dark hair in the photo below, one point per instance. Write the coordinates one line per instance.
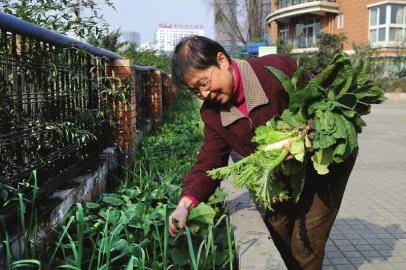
(194, 53)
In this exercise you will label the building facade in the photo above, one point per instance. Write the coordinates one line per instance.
(168, 35)
(379, 23)
(132, 37)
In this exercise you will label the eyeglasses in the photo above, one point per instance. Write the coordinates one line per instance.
(204, 85)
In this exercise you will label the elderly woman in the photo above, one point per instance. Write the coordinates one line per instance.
(238, 97)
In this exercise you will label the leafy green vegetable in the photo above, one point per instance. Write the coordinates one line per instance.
(203, 213)
(320, 124)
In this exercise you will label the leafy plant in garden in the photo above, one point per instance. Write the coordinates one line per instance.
(129, 227)
(321, 123)
(81, 17)
(27, 229)
(147, 57)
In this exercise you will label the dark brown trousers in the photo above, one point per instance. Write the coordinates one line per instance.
(300, 231)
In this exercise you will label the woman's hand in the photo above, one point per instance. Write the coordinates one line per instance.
(287, 146)
(180, 215)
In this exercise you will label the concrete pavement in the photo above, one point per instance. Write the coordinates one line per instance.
(370, 229)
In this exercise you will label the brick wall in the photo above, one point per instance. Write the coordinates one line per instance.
(356, 22)
(155, 96)
(125, 111)
(167, 91)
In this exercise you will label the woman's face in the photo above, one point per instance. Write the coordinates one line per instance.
(214, 83)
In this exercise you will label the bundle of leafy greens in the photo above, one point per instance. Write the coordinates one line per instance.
(321, 124)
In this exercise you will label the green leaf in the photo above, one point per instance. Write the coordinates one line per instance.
(370, 94)
(292, 166)
(91, 205)
(362, 108)
(341, 152)
(180, 256)
(25, 263)
(330, 73)
(266, 135)
(362, 71)
(321, 169)
(292, 120)
(203, 213)
(340, 132)
(322, 105)
(218, 197)
(323, 156)
(122, 245)
(283, 79)
(299, 78)
(297, 148)
(349, 76)
(306, 97)
(297, 182)
(112, 200)
(351, 134)
(348, 100)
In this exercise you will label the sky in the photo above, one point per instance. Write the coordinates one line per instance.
(144, 16)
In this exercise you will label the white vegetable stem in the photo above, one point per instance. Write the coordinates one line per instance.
(276, 145)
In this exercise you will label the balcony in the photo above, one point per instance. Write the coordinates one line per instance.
(288, 9)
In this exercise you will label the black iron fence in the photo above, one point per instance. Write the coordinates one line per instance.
(53, 114)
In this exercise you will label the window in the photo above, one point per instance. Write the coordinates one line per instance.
(306, 32)
(387, 24)
(397, 14)
(284, 33)
(340, 21)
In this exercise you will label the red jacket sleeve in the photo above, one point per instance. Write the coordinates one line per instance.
(214, 153)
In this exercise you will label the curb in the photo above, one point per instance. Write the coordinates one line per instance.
(254, 246)
(395, 96)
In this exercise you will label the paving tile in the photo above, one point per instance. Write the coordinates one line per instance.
(379, 247)
(326, 261)
(338, 236)
(358, 242)
(331, 248)
(377, 241)
(385, 236)
(386, 253)
(337, 261)
(352, 254)
(346, 248)
(339, 242)
(345, 267)
(357, 260)
(399, 235)
(364, 247)
(371, 254)
(334, 254)
(330, 243)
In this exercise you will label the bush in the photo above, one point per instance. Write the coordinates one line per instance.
(329, 45)
(147, 57)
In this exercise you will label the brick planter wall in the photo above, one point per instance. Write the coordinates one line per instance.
(155, 97)
(125, 111)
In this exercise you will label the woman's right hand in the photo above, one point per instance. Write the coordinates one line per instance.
(180, 215)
